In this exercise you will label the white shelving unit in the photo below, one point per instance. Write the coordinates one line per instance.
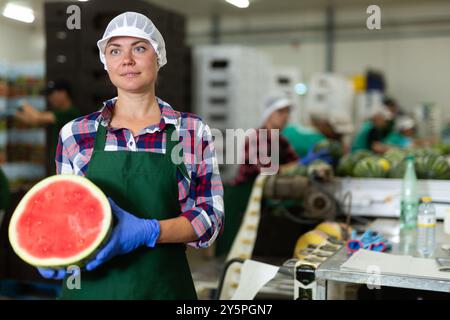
(230, 85)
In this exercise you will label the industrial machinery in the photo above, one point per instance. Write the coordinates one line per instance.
(281, 208)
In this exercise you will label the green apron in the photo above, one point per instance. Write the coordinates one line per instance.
(145, 184)
(5, 193)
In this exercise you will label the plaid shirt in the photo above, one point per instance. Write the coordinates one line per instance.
(200, 197)
(248, 171)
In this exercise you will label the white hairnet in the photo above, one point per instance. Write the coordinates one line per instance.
(405, 123)
(133, 24)
(381, 110)
(318, 115)
(274, 103)
(341, 124)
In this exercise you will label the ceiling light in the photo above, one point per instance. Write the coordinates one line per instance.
(239, 3)
(20, 13)
(300, 89)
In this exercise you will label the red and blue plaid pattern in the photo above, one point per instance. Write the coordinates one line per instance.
(200, 195)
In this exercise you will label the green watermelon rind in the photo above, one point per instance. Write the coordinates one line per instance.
(394, 156)
(345, 166)
(83, 257)
(425, 167)
(348, 162)
(334, 147)
(369, 168)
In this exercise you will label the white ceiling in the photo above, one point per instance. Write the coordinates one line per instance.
(196, 8)
(208, 7)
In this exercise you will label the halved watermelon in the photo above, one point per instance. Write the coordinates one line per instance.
(61, 221)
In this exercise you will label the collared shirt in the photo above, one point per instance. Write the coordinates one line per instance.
(200, 195)
(249, 171)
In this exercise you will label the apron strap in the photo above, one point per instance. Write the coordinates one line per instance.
(170, 144)
(100, 138)
(100, 141)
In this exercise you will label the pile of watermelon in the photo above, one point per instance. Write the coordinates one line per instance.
(333, 147)
(347, 163)
(309, 170)
(430, 163)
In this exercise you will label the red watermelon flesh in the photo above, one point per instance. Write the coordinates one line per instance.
(60, 223)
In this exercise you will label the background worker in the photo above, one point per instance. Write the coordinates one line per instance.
(373, 131)
(62, 110)
(275, 115)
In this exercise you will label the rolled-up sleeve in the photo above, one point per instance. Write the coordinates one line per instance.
(62, 158)
(203, 202)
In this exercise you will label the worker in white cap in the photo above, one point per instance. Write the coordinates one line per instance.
(323, 126)
(162, 200)
(373, 131)
(342, 130)
(274, 116)
(403, 136)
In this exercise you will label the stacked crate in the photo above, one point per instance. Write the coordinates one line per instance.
(330, 94)
(231, 83)
(285, 80)
(72, 55)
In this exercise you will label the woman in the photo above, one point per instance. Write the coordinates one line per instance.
(128, 149)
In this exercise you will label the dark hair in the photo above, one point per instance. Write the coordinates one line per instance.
(58, 85)
(389, 102)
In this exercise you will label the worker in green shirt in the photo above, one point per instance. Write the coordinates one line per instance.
(373, 131)
(302, 138)
(404, 133)
(61, 111)
(323, 126)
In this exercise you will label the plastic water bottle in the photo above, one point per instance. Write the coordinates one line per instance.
(426, 228)
(409, 200)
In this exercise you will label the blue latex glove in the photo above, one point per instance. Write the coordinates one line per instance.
(55, 274)
(129, 234)
(322, 154)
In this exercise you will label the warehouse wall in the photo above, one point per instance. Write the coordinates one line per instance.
(21, 42)
(412, 48)
(417, 70)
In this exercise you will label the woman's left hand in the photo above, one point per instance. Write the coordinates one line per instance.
(129, 234)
